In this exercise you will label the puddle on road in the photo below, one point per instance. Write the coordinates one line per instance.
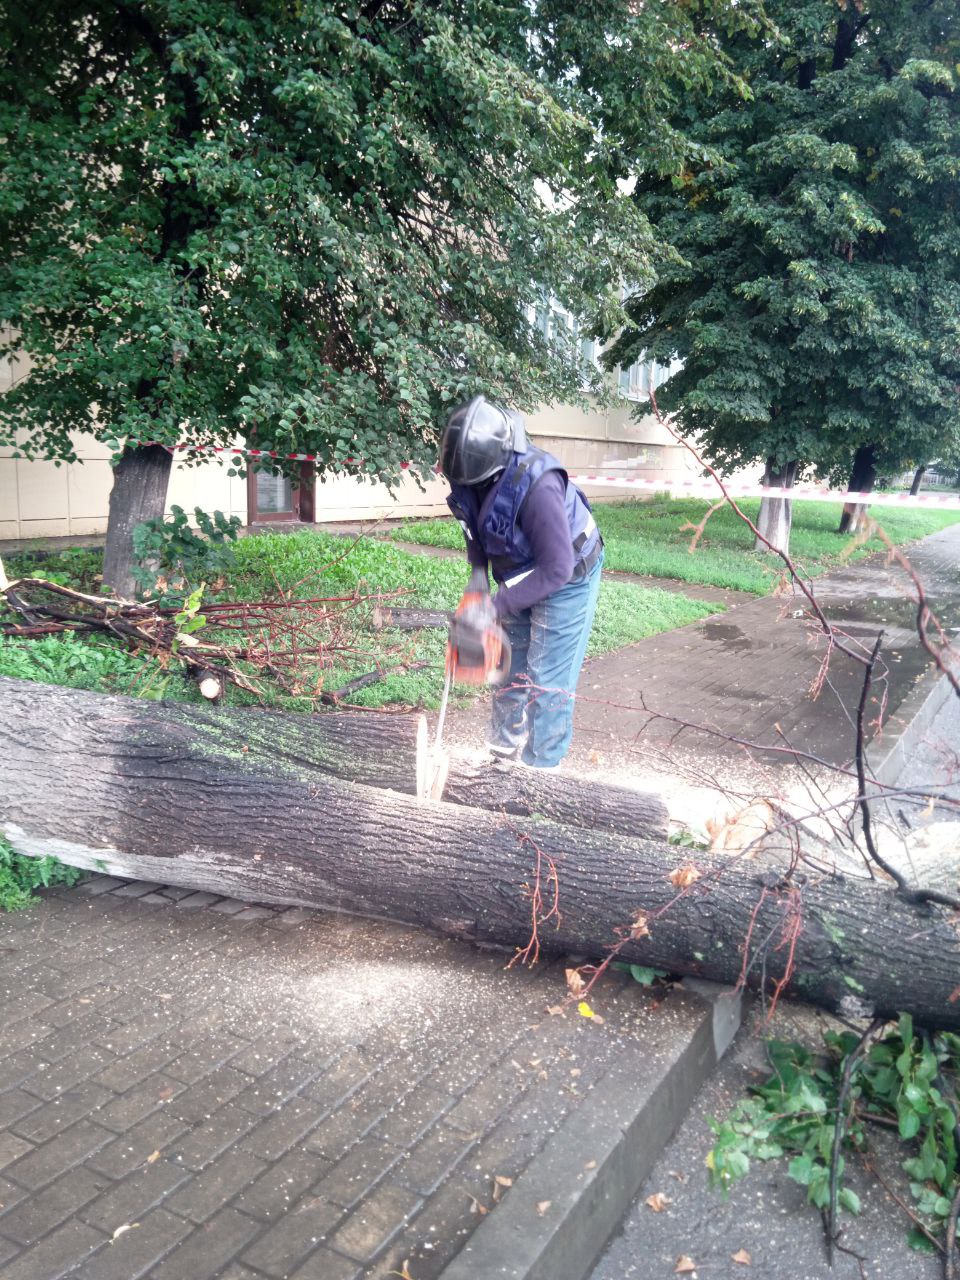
(727, 633)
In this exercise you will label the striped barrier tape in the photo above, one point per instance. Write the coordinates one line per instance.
(676, 488)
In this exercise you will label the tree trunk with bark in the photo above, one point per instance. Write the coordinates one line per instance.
(132, 794)
(918, 479)
(376, 750)
(139, 493)
(863, 475)
(776, 514)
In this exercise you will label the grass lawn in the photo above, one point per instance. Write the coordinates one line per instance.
(648, 537)
(304, 565)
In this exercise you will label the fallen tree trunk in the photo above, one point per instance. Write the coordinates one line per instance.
(128, 793)
(377, 750)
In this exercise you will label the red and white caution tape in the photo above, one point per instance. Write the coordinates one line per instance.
(801, 493)
(676, 488)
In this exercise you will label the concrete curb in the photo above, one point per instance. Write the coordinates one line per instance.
(917, 712)
(623, 1126)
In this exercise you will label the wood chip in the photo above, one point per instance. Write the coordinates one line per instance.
(742, 1257)
(657, 1202)
(684, 1263)
(543, 1206)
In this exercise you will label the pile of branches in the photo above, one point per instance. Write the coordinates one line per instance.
(289, 641)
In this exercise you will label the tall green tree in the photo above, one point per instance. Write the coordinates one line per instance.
(311, 223)
(815, 298)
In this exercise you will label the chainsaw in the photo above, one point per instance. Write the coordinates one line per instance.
(478, 652)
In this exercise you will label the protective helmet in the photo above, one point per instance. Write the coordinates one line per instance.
(478, 440)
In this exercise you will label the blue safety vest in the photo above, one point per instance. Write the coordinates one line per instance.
(499, 533)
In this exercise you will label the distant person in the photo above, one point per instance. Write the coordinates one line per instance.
(522, 518)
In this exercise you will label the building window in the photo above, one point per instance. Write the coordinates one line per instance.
(636, 382)
(272, 497)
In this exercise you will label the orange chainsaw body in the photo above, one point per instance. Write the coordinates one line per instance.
(489, 661)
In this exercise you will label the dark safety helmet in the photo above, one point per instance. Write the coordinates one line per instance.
(478, 440)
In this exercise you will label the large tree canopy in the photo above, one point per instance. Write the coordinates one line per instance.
(815, 301)
(314, 222)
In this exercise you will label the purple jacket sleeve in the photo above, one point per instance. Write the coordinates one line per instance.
(543, 519)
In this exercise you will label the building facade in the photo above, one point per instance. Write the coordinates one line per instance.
(39, 499)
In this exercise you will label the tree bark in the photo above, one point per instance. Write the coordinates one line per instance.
(918, 479)
(863, 475)
(776, 514)
(139, 493)
(136, 796)
(375, 750)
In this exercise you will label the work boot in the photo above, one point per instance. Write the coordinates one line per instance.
(503, 751)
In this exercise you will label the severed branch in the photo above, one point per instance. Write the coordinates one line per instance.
(839, 1130)
(293, 641)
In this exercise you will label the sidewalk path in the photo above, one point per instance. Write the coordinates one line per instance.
(191, 1087)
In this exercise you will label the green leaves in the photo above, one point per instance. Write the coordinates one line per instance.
(172, 558)
(318, 227)
(901, 1080)
(641, 973)
(818, 248)
(21, 875)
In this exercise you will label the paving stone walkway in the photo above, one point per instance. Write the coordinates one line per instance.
(194, 1088)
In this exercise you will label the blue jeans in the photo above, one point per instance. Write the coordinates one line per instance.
(534, 708)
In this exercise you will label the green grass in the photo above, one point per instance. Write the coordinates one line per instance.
(649, 538)
(312, 563)
(77, 567)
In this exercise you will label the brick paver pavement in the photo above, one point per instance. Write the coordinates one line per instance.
(191, 1087)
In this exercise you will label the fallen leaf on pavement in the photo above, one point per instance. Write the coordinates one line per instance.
(574, 981)
(742, 1257)
(658, 1201)
(153, 1157)
(555, 1010)
(165, 1095)
(683, 877)
(127, 1226)
(543, 1206)
(477, 1207)
(684, 1263)
(404, 1272)
(499, 1182)
(591, 1164)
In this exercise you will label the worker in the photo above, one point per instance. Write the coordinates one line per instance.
(522, 518)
